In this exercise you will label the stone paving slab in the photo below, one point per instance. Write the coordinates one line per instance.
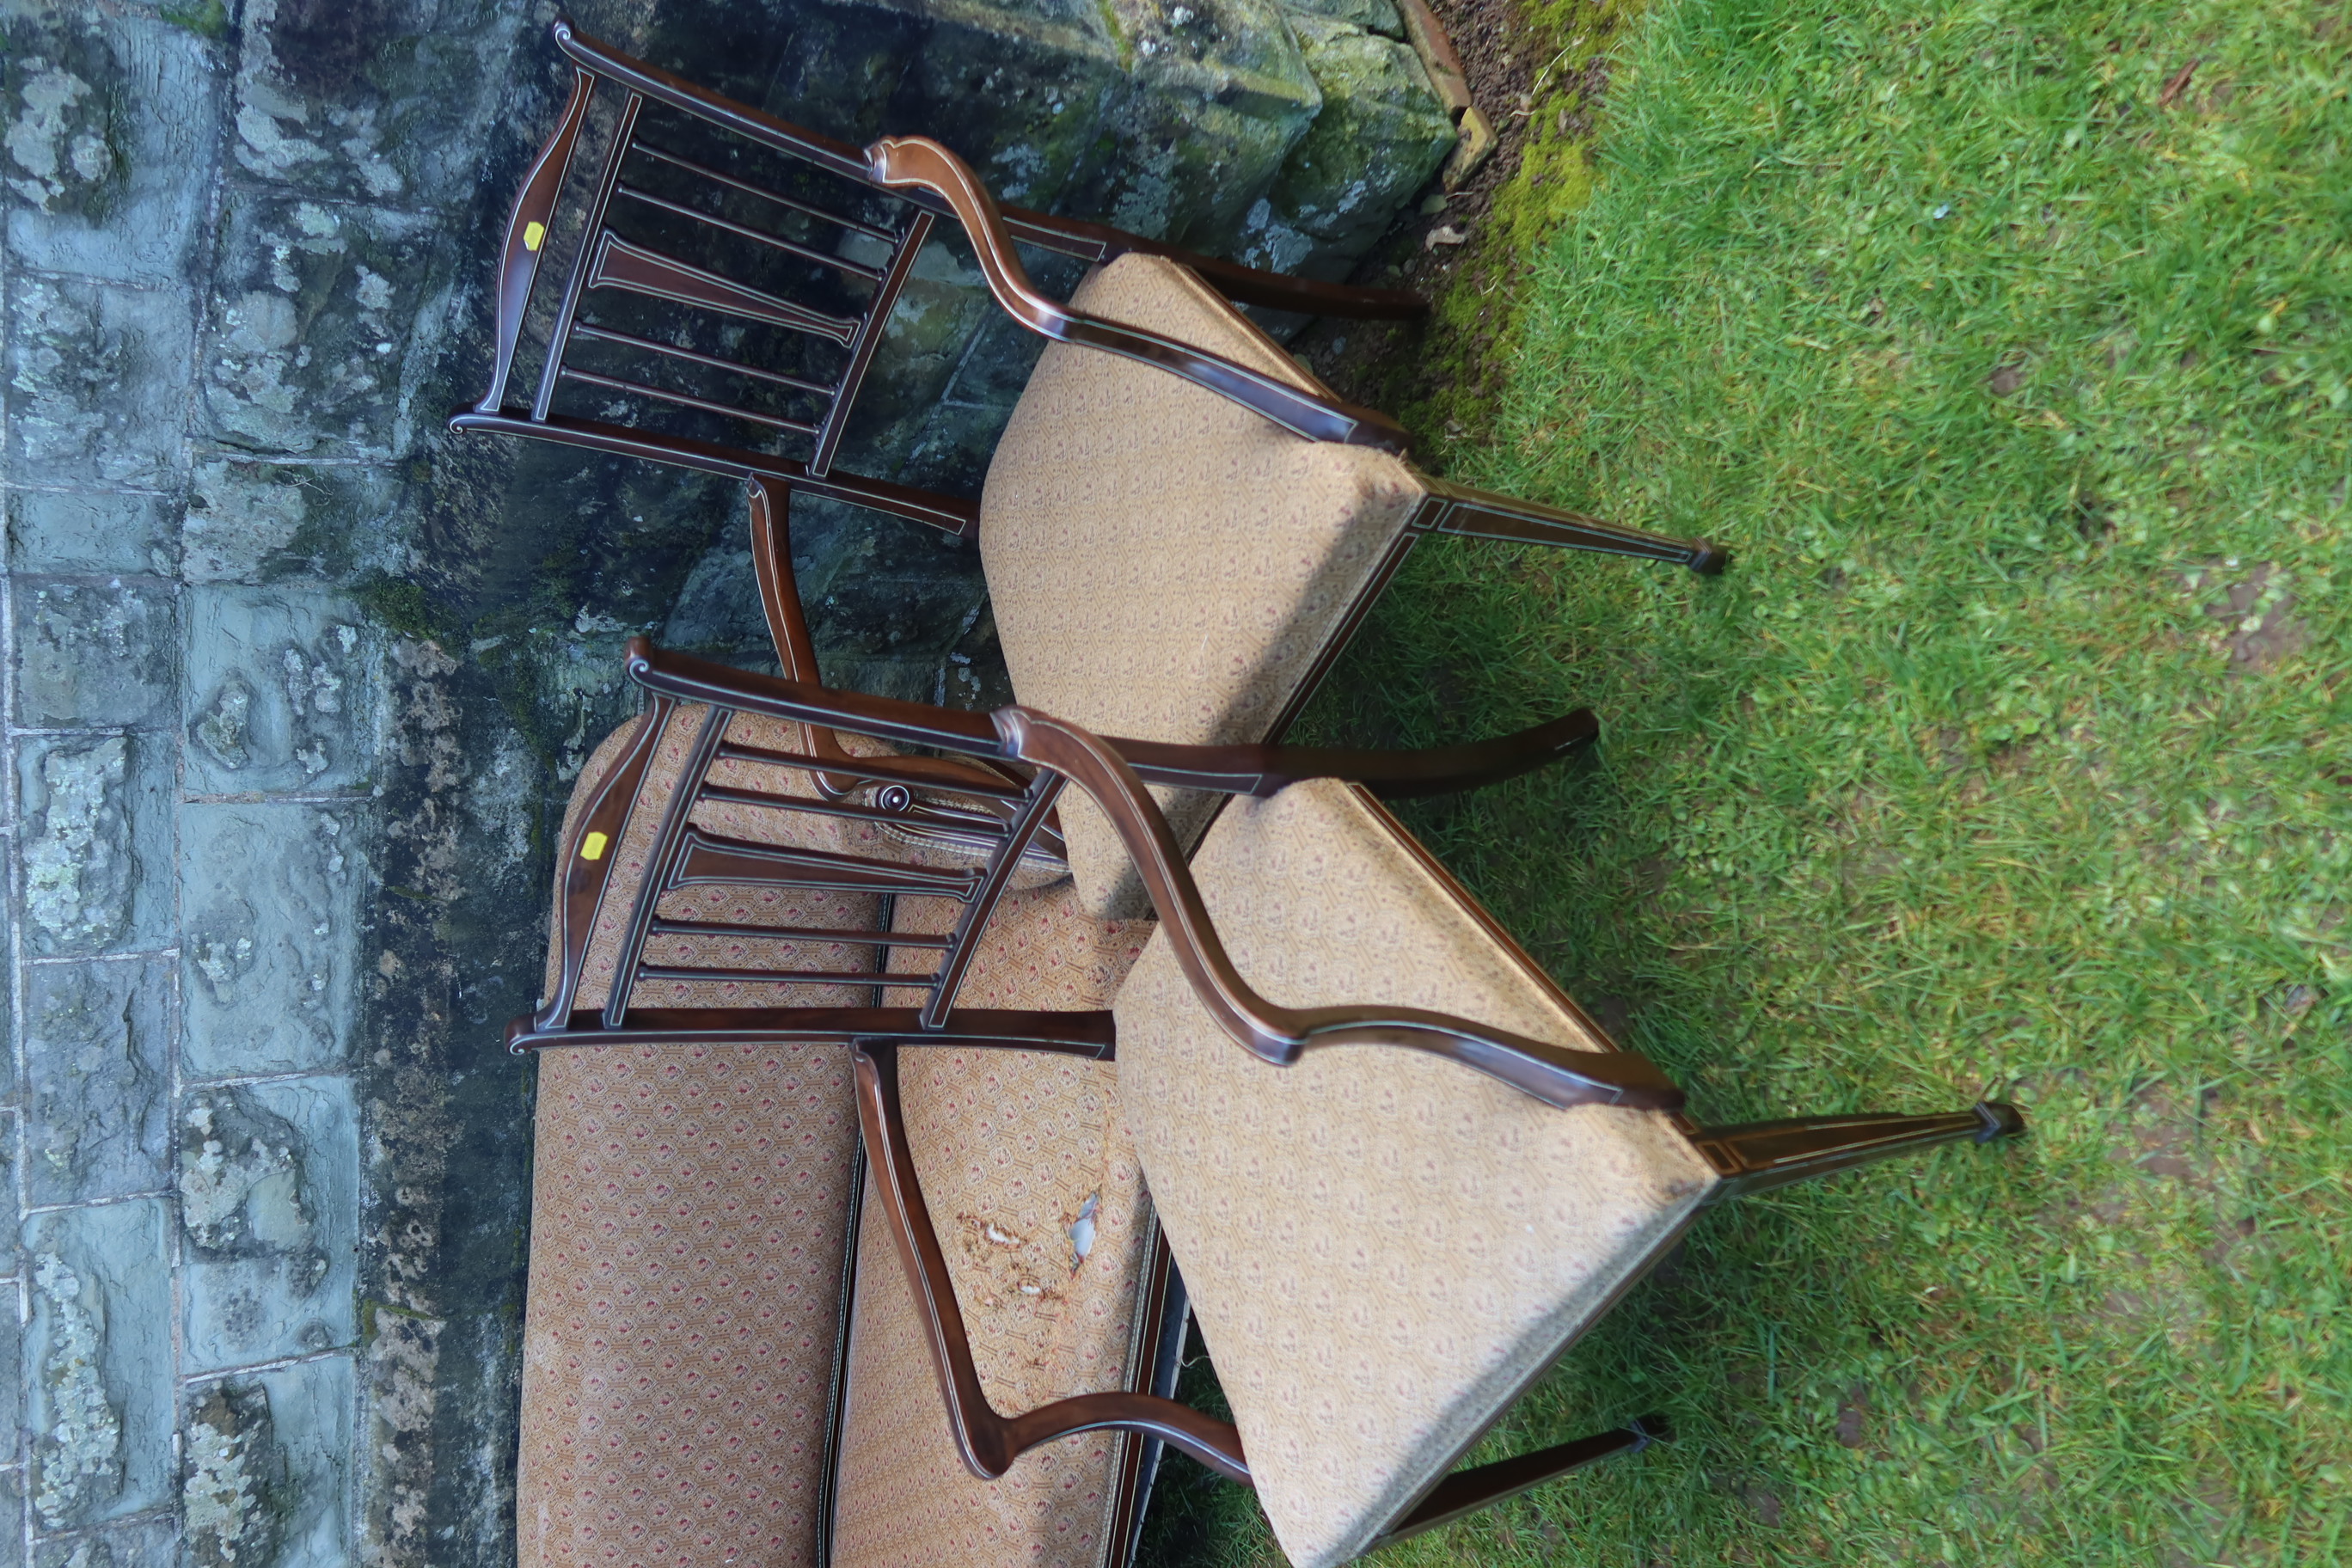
(268, 1185)
(283, 689)
(97, 377)
(97, 1052)
(97, 842)
(269, 896)
(100, 532)
(250, 521)
(98, 1356)
(150, 1542)
(113, 134)
(315, 302)
(95, 651)
(268, 1461)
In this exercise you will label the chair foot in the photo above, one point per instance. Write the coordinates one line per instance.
(1756, 1156)
(1467, 1491)
(1998, 1119)
(1711, 559)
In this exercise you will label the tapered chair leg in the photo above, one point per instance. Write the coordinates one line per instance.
(1483, 1486)
(1483, 514)
(1752, 1156)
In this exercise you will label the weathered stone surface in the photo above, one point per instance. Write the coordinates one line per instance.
(95, 652)
(233, 1473)
(113, 127)
(12, 1266)
(253, 521)
(269, 1178)
(98, 1356)
(99, 532)
(97, 845)
(383, 102)
(281, 685)
(98, 1069)
(148, 1542)
(97, 381)
(1372, 15)
(267, 1468)
(315, 302)
(1381, 135)
(269, 898)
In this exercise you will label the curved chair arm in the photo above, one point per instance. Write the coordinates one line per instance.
(903, 163)
(988, 1442)
(1552, 1073)
(1256, 770)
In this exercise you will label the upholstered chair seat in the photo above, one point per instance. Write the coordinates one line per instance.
(1165, 563)
(1382, 1249)
(1038, 1200)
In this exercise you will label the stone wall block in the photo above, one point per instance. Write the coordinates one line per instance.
(97, 846)
(113, 132)
(314, 305)
(97, 377)
(97, 1057)
(12, 1266)
(1217, 96)
(389, 102)
(1381, 135)
(134, 1543)
(93, 532)
(281, 691)
(864, 615)
(269, 898)
(98, 1364)
(268, 1179)
(256, 522)
(96, 651)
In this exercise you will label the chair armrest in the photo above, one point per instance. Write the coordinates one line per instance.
(988, 1442)
(1553, 1074)
(918, 162)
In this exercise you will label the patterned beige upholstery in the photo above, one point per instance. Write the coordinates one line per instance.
(1165, 564)
(1012, 1149)
(1383, 1248)
(689, 1208)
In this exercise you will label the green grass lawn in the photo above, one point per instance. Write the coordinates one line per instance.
(2011, 756)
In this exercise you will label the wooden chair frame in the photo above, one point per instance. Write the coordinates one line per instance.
(900, 187)
(1053, 754)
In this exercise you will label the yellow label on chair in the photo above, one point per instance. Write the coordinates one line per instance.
(533, 232)
(593, 846)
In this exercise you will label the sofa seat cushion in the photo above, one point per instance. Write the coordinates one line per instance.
(690, 1209)
(1382, 1247)
(689, 1213)
(1164, 564)
(1034, 1191)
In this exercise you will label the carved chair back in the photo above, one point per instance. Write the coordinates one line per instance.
(730, 276)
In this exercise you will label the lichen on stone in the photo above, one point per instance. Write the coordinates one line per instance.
(76, 867)
(240, 1179)
(79, 1448)
(233, 1514)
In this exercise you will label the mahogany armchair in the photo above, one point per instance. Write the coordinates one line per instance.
(1395, 1169)
(1180, 527)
